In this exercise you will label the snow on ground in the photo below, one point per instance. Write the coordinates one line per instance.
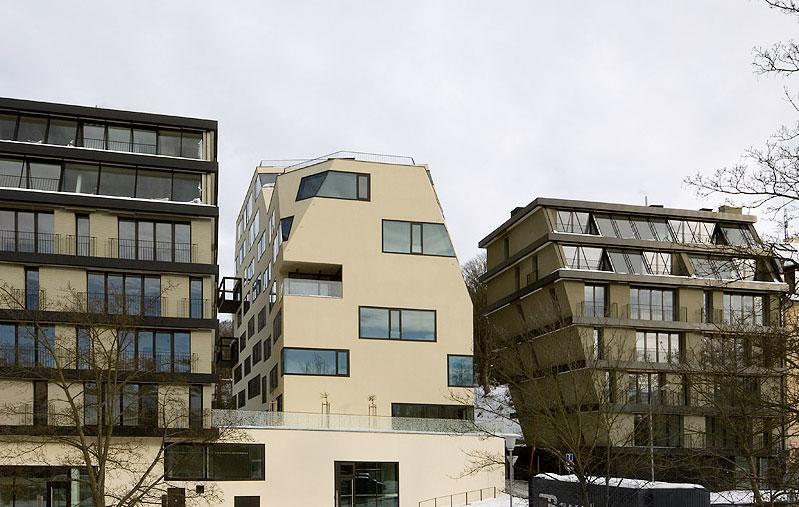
(501, 501)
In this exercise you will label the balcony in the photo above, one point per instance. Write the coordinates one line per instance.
(592, 309)
(121, 304)
(656, 312)
(732, 317)
(131, 147)
(229, 295)
(20, 299)
(47, 243)
(69, 359)
(345, 422)
(309, 287)
(189, 308)
(143, 250)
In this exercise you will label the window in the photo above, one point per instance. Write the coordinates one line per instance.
(595, 303)
(285, 227)
(273, 379)
(728, 268)
(237, 374)
(261, 245)
(186, 187)
(658, 347)
(416, 238)
(736, 235)
(62, 132)
(576, 222)
(241, 401)
(11, 173)
(277, 325)
(370, 483)
(27, 346)
(80, 178)
(659, 263)
(32, 289)
(397, 324)
(652, 304)
(335, 184)
(665, 430)
(256, 352)
(8, 124)
(247, 365)
(254, 387)
(40, 403)
(430, 411)
(301, 361)
(191, 145)
(688, 231)
(583, 257)
(124, 294)
(744, 309)
(196, 302)
(22, 231)
(214, 462)
(262, 318)
(169, 143)
(460, 371)
(31, 129)
(144, 141)
(43, 176)
(159, 241)
(153, 184)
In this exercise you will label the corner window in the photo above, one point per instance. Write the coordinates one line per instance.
(460, 371)
(325, 362)
(335, 184)
(416, 238)
(397, 324)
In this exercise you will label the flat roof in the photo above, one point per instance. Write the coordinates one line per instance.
(106, 114)
(579, 205)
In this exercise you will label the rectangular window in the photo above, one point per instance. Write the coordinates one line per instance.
(154, 185)
(31, 129)
(273, 379)
(744, 309)
(215, 462)
(584, 257)
(652, 304)
(80, 178)
(237, 374)
(277, 325)
(254, 387)
(40, 403)
(186, 187)
(431, 411)
(247, 365)
(256, 352)
(118, 181)
(327, 362)
(595, 301)
(362, 483)
(397, 324)
(658, 347)
(416, 238)
(575, 222)
(460, 371)
(32, 289)
(11, 173)
(196, 302)
(8, 125)
(144, 141)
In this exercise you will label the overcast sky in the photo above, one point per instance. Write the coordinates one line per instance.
(506, 101)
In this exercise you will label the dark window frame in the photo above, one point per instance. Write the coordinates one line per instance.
(448, 366)
(421, 238)
(400, 339)
(357, 186)
(337, 351)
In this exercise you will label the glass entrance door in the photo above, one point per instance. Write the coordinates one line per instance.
(367, 484)
(58, 494)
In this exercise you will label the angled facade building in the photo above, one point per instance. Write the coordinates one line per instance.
(657, 316)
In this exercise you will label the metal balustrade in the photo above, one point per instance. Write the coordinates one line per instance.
(309, 287)
(147, 250)
(641, 311)
(123, 304)
(143, 361)
(30, 182)
(111, 145)
(20, 299)
(462, 498)
(192, 308)
(347, 422)
(596, 310)
(346, 155)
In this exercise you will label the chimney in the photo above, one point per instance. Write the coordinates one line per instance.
(730, 209)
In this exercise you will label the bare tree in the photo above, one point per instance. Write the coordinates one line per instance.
(484, 346)
(108, 408)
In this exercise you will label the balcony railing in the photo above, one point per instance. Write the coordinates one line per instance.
(144, 250)
(189, 308)
(596, 310)
(25, 300)
(31, 182)
(108, 144)
(120, 304)
(344, 422)
(732, 317)
(148, 362)
(307, 287)
(656, 312)
(159, 362)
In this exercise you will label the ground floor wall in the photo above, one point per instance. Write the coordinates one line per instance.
(301, 468)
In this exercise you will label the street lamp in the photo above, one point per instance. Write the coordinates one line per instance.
(510, 443)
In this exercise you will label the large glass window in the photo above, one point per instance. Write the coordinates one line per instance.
(118, 138)
(658, 347)
(365, 484)
(659, 263)
(460, 371)
(584, 257)
(43, 176)
(22, 231)
(744, 309)
(62, 132)
(169, 143)
(186, 187)
(154, 185)
(93, 136)
(577, 222)
(398, 324)
(336, 184)
(144, 141)
(215, 462)
(161, 241)
(688, 231)
(416, 238)
(122, 294)
(191, 145)
(11, 173)
(315, 362)
(80, 178)
(431, 411)
(118, 181)
(652, 304)
(31, 129)
(595, 303)
(8, 125)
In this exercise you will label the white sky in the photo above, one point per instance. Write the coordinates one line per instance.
(506, 101)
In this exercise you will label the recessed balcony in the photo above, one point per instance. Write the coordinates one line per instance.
(229, 295)
(309, 287)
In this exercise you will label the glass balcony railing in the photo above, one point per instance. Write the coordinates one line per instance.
(306, 287)
(347, 422)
